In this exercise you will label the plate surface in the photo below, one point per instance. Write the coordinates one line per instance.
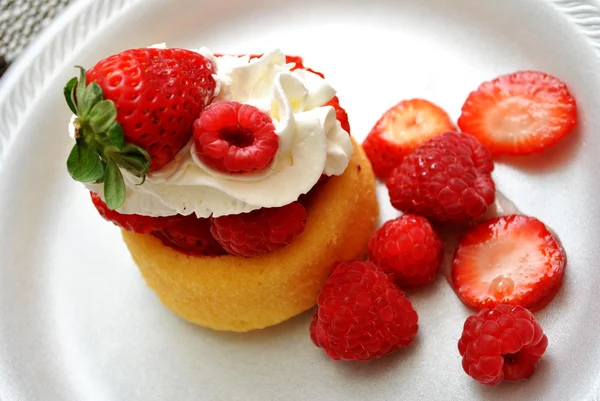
(78, 323)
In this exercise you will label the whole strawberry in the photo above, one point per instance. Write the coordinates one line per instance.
(448, 178)
(135, 110)
(501, 344)
(361, 314)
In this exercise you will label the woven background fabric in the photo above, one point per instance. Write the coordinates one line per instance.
(21, 21)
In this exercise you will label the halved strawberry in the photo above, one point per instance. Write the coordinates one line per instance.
(190, 235)
(132, 222)
(520, 113)
(401, 129)
(340, 113)
(513, 260)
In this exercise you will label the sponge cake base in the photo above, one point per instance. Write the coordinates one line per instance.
(241, 294)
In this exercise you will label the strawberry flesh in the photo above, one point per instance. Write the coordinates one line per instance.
(158, 94)
(400, 130)
(520, 113)
(513, 260)
(190, 235)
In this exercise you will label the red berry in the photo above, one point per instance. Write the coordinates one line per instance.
(508, 260)
(407, 248)
(234, 137)
(300, 65)
(340, 113)
(158, 94)
(400, 130)
(260, 231)
(190, 235)
(501, 344)
(296, 60)
(520, 113)
(132, 222)
(361, 314)
(448, 178)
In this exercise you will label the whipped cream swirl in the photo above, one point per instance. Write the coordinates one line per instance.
(311, 142)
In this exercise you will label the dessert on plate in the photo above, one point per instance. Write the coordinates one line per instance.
(244, 201)
(234, 179)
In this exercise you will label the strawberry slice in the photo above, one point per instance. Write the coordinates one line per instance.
(190, 235)
(400, 130)
(512, 260)
(520, 113)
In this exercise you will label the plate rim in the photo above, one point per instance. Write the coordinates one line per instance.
(23, 83)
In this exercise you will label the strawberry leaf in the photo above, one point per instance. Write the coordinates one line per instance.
(81, 84)
(84, 163)
(114, 186)
(89, 99)
(69, 92)
(115, 135)
(103, 114)
(133, 159)
(101, 179)
(101, 150)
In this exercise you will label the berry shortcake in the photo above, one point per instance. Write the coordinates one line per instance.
(234, 179)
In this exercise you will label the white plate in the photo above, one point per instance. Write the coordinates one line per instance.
(78, 323)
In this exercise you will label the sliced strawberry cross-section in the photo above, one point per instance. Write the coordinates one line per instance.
(512, 260)
(520, 113)
(400, 130)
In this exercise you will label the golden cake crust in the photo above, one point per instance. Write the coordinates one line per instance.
(242, 294)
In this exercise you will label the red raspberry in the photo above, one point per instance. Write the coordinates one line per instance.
(448, 178)
(132, 222)
(504, 343)
(190, 235)
(260, 231)
(408, 249)
(234, 137)
(361, 314)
